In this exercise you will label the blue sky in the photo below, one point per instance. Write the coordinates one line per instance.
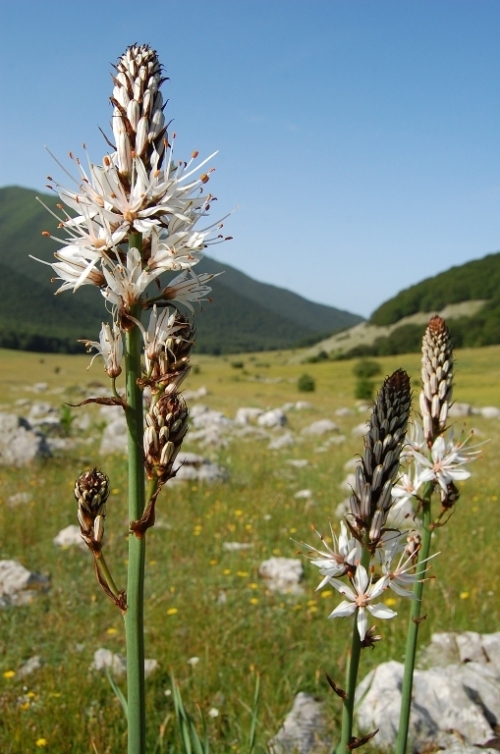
(359, 139)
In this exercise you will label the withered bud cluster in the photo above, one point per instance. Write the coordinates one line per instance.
(169, 364)
(166, 426)
(138, 120)
(437, 378)
(372, 499)
(167, 418)
(91, 492)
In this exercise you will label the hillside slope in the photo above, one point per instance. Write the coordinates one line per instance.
(479, 279)
(245, 314)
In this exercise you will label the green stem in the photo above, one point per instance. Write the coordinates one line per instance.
(414, 622)
(106, 575)
(352, 677)
(134, 617)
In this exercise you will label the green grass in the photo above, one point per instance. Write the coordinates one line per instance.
(286, 640)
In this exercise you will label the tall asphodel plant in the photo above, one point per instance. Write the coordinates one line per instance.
(130, 222)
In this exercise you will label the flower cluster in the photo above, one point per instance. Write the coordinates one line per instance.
(139, 196)
(433, 453)
(370, 557)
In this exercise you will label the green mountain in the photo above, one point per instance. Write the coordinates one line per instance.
(476, 280)
(245, 314)
(468, 296)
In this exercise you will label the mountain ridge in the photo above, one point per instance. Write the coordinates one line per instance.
(245, 314)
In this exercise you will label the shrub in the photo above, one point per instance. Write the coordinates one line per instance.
(306, 383)
(364, 369)
(364, 389)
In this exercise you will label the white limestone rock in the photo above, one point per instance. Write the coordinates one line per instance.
(117, 664)
(20, 444)
(282, 574)
(303, 731)
(303, 494)
(298, 463)
(465, 699)
(236, 546)
(20, 498)
(360, 430)
(284, 440)
(247, 415)
(490, 412)
(274, 418)
(70, 536)
(18, 585)
(192, 467)
(458, 410)
(30, 666)
(114, 437)
(320, 427)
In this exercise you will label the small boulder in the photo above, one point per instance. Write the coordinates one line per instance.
(321, 427)
(274, 418)
(18, 585)
(284, 440)
(246, 415)
(282, 574)
(458, 410)
(70, 536)
(303, 731)
(20, 444)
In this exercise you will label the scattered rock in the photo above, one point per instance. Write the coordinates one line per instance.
(114, 437)
(70, 536)
(298, 463)
(247, 415)
(303, 731)
(465, 699)
(194, 395)
(457, 410)
(20, 498)
(447, 648)
(45, 416)
(236, 546)
(30, 666)
(335, 440)
(303, 494)
(343, 412)
(352, 463)
(282, 574)
(117, 664)
(490, 412)
(349, 483)
(303, 406)
(40, 387)
(343, 508)
(284, 440)
(274, 418)
(191, 467)
(17, 584)
(361, 429)
(19, 443)
(321, 427)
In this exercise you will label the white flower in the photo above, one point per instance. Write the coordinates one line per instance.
(126, 284)
(446, 462)
(193, 661)
(160, 329)
(213, 712)
(405, 489)
(364, 592)
(110, 347)
(398, 576)
(186, 290)
(334, 562)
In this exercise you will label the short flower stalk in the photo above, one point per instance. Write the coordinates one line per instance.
(130, 222)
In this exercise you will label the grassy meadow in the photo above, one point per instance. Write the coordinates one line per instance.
(202, 601)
